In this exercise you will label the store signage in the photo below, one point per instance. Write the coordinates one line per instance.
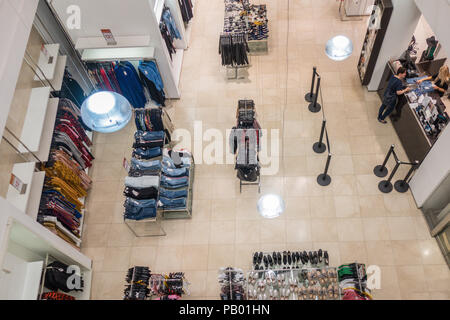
(46, 54)
(18, 184)
(126, 164)
(110, 40)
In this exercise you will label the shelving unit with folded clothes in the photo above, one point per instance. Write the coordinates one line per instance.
(66, 184)
(185, 211)
(141, 214)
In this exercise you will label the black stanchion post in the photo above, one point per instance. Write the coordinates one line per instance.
(320, 147)
(314, 106)
(385, 186)
(402, 185)
(324, 179)
(309, 97)
(381, 171)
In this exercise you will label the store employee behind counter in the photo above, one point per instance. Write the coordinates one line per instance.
(394, 89)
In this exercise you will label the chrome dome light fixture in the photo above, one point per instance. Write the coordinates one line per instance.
(271, 206)
(339, 48)
(106, 112)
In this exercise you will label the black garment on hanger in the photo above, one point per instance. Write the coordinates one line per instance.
(167, 39)
(233, 49)
(186, 10)
(156, 95)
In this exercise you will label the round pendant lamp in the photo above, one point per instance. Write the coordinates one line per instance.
(271, 206)
(106, 112)
(339, 48)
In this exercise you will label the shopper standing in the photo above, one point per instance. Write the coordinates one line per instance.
(394, 88)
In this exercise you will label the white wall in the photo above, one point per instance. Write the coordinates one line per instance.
(422, 33)
(402, 25)
(437, 14)
(16, 20)
(433, 170)
(124, 18)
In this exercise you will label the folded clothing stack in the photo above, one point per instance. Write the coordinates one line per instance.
(142, 194)
(148, 144)
(174, 184)
(142, 183)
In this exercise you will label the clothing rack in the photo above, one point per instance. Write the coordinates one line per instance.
(233, 48)
(246, 120)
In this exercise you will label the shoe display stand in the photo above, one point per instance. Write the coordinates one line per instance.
(286, 261)
(187, 212)
(294, 284)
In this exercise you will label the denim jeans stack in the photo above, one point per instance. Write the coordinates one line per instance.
(173, 191)
(142, 183)
(148, 144)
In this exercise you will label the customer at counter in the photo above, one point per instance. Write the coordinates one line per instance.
(394, 89)
(440, 81)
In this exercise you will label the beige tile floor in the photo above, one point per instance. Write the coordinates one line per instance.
(350, 218)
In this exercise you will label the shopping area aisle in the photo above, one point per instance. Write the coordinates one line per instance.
(350, 218)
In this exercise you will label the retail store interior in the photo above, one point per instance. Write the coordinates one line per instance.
(329, 203)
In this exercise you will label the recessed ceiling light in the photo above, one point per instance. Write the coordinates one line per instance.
(271, 206)
(339, 48)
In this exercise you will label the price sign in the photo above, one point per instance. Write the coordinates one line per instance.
(18, 184)
(110, 40)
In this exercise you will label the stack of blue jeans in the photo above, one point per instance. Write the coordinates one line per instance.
(148, 144)
(173, 191)
(139, 209)
(142, 183)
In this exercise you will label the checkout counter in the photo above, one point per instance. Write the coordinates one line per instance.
(417, 126)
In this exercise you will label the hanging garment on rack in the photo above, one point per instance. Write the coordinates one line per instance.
(154, 119)
(234, 48)
(168, 20)
(130, 85)
(151, 77)
(168, 39)
(71, 89)
(186, 8)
